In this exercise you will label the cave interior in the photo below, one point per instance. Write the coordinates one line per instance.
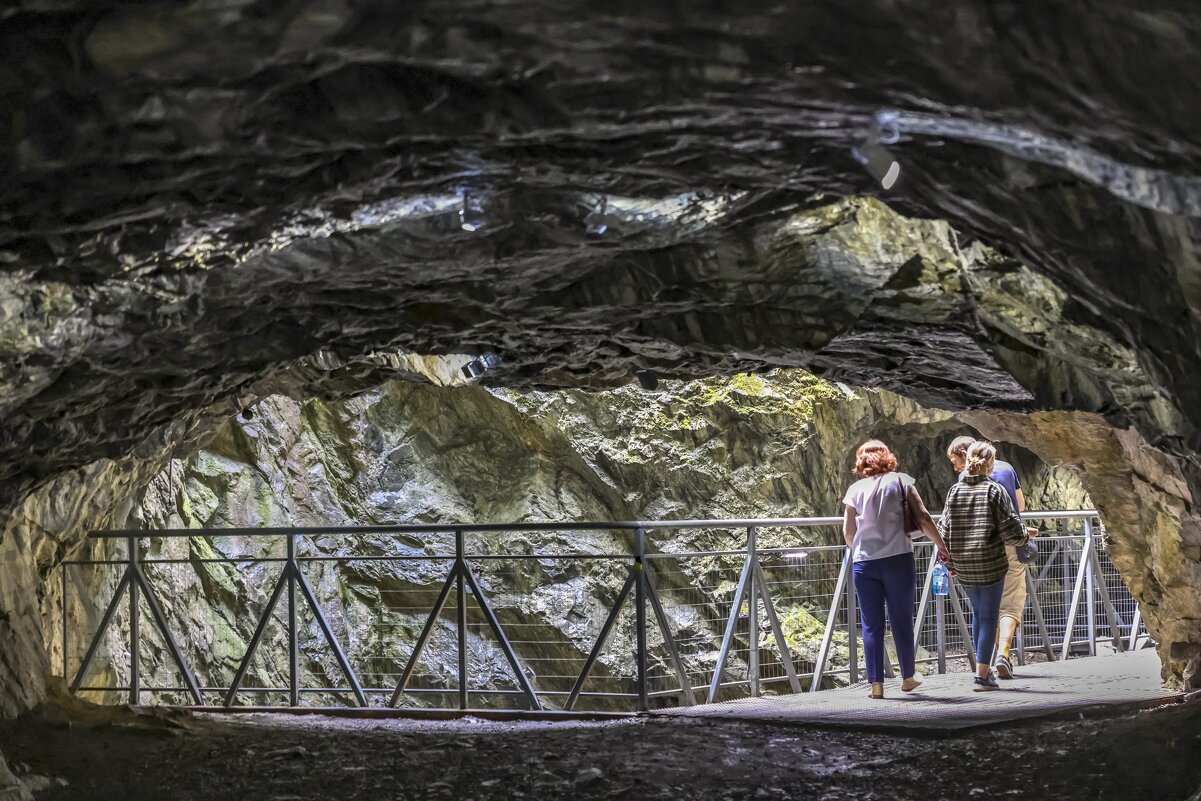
(984, 216)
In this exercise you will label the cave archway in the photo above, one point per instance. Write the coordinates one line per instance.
(266, 198)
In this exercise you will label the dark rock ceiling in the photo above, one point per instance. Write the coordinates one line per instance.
(195, 195)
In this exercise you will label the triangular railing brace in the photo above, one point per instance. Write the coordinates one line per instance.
(462, 578)
(292, 579)
(134, 580)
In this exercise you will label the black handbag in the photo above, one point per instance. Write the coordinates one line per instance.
(1027, 552)
(908, 518)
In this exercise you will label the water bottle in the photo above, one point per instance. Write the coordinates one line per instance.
(941, 579)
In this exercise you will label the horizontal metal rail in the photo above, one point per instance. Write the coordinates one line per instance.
(470, 528)
(719, 626)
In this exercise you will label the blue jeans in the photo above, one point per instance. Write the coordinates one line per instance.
(986, 608)
(879, 583)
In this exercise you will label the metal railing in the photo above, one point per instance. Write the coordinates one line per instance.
(648, 624)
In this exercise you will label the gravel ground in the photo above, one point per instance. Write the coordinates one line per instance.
(1151, 756)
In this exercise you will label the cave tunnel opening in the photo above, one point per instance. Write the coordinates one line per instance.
(753, 446)
(241, 244)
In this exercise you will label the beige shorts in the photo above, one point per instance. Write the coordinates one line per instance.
(1013, 596)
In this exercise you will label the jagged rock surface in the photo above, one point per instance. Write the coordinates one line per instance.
(1154, 532)
(197, 195)
(11, 788)
(772, 446)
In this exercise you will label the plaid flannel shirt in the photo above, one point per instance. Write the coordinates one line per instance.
(977, 522)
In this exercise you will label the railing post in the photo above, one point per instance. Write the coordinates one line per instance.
(1086, 556)
(919, 620)
(1135, 622)
(293, 628)
(823, 653)
(753, 613)
(461, 609)
(640, 615)
(1069, 588)
(940, 625)
(1069, 624)
(135, 639)
(964, 631)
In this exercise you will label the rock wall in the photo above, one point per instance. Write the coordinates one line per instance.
(1149, 513)
(198, 195)
(777, 445)
(11, 789)
(49, 526)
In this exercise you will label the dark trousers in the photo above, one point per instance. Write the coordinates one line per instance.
(986, 609)
(880, 583)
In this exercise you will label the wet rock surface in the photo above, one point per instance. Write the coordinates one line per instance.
(754, 446)
(1147, 755)
(1143, 497)
(585, 190)
(205, 203)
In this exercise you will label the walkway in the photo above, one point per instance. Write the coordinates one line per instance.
(946, 701)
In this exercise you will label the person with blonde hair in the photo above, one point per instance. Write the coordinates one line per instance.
(882, 553)
(1013, 596)
(978, 521)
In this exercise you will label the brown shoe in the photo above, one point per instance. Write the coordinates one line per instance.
(910, 684)
(877, 690)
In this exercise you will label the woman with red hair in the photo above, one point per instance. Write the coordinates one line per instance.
(882, 553)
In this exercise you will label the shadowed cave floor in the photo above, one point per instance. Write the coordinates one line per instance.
(1146, 755)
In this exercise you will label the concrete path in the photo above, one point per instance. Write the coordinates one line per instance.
(947, 701)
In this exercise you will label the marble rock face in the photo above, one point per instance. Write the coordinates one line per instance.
(776, 445)
(205, 203)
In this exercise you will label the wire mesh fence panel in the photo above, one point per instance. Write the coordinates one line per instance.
(697, 595)
(535, 606)
(1054, 575)
(1119, 595)
(1070, 589)
(233, 578)
(612, 683)
(376, 609)
(159, 679)
(801, 583)
(927, 628)
(958, 637)
(175, 591)
(266, 674)
(549, 611)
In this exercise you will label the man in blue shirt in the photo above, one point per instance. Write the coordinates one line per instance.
(1013, 597)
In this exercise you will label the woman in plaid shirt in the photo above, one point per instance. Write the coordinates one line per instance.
(978, 521)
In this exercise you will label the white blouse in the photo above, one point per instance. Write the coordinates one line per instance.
(879, 523)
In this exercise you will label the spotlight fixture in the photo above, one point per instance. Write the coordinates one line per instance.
(480, 365)
(471, 214)
(647, 378)
(595, 223)
(877, 159)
